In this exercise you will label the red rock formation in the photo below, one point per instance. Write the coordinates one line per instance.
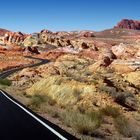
(14, 38)
(129, 24)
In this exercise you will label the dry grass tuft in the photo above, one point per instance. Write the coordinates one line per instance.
(110, 111)
(82, 123)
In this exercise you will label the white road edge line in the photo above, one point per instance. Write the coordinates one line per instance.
(40, 121)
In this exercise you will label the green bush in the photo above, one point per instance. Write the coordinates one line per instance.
(5, 81)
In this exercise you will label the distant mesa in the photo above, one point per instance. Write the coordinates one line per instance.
(129, 24)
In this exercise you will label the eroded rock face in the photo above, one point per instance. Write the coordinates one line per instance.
(16, 38)
(129, 24)
(31, 40)
(64, 39)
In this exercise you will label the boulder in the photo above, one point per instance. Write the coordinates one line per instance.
(33, 50)
(124, 51)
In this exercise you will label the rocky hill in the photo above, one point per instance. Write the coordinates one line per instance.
(14, 38)
(129, 24)
(90, 88)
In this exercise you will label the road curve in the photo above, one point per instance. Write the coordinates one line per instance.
(19, 122)
(11, 71)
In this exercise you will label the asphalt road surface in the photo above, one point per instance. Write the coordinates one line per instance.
(19, 123)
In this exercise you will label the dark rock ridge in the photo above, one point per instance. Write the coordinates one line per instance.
(129, 24)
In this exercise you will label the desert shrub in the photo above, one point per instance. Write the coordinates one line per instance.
(110, 111)
(137, 136)
(113, 92)
(103, 88)
(49, 100)
(120, 122)
(38, 102)
(87, 73)
(5, 81)
(81, 109)
(128, 100)
(95, 81)
(53, 113)
(110, 90)
(110, 70)
(82, 123)
(96, 116)
(76, 92)
(123, 126)
(121, 96)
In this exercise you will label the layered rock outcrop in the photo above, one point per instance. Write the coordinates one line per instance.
(16, 38)
(61, 39)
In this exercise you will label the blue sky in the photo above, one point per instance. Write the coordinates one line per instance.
(57, 15)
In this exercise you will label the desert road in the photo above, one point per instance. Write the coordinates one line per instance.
(11, 71)
(17, 122)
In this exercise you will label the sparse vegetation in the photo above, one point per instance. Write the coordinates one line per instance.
(120, 122)
(53, 113)
(137, 136)
(82, 123)
(128, 100)
(123, 125)
(90, 103)
(5, 82)
(39, 102)
(110, 111)
(36, 101)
